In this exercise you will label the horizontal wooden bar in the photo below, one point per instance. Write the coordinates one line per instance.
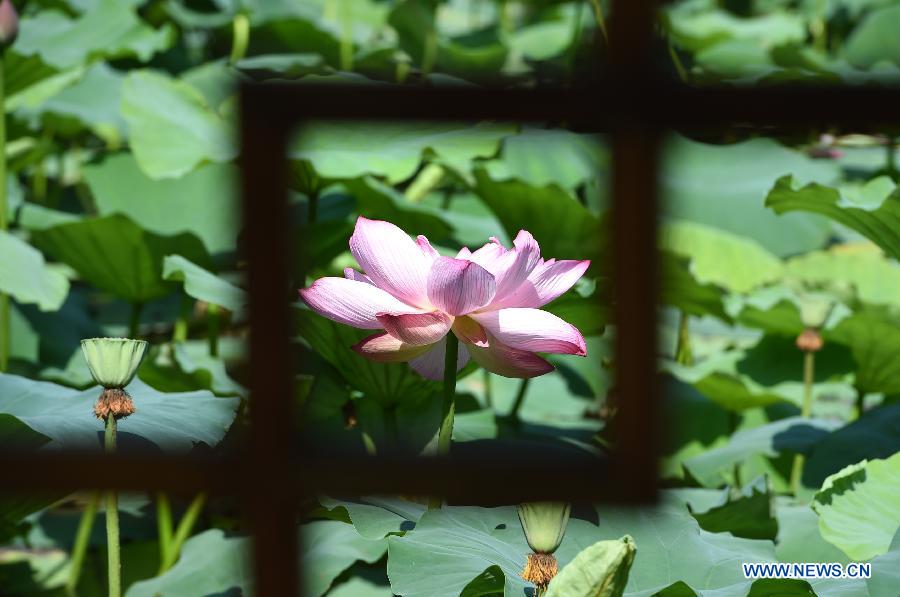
(70, 471)
(472, 479)
(613, 102)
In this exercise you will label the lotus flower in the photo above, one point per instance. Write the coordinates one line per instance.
(488, 298)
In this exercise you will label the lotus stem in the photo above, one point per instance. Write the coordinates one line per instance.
(369, 443)
(240, 28)
(426, 181)
(860, 401)
(4, 224)
(402, 71)
(164, 526)
(114, 563)
(5, 316)
(808, 374)
(505, 19)
(572, 52)
(82, 538)
(734, 421)
(184, 529)
(430, 51)
(447, 199)
(601, 21)
(684, 355)
(212, 320)
(676, 62)
(346, 45)
(520, 398)
(180, 331)
(448, 408)
(39, 178)
(891, 158)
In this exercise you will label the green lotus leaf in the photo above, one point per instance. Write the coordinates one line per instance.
(874, 212)
(722, 186)
(115, 254)
(170, 127)
(212, 563)
(108, 28)
(26, 276)
(204, 285)
(601, 570)
(204, 199)
(734, 262)
(858, 507)
(161, 424)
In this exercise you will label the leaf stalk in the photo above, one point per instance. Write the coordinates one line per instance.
(520, 399)
(163, 526)
(114, 561)
(82, 538)
(5, 311)
(184, 529)
(240, 28)
(809, 360)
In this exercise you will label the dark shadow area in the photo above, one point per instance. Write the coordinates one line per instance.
(874, 435)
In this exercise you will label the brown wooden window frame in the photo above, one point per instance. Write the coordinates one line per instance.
(633, 102)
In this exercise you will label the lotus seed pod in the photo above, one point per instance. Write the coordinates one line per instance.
(113, 361)
(600, 570)
(9, 23)
(544, 524)
(810, 340)
(815, 308)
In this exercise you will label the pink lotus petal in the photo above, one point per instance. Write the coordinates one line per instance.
(392, 260)
(351, 302)
(426, 248)
(384, 348)
(352, 274)
(418, 328)
(459, 286)
(547, 282)
(507, 361)
(489, 253)
(527, 256)
(469, 331)
(464, 253)
(510, 267)
(430, 365)
(532, 330)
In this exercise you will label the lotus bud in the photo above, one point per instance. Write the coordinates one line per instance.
(9, 23)
(600, 570)
(544, 524)
(113, 363)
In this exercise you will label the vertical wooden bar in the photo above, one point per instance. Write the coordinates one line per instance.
(269, 491)
(635, 265)
(635, 148)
